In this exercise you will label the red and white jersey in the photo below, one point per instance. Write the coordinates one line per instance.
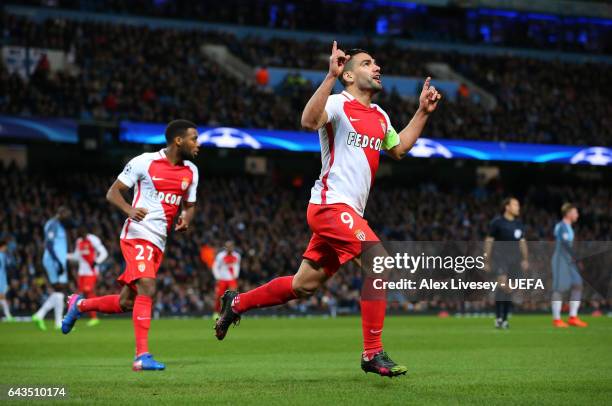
(88, 251)
(351, 142)
(159, 187)
(226, 266)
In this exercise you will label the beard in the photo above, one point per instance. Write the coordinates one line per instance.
(374, 86)
(187, 155)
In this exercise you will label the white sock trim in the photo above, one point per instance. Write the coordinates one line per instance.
(5, 308)
(44, 309)
(58, 308)
(556, 309)
(574, 306)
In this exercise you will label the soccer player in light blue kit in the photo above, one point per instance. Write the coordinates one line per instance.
(565, 270)
(4, 281)
(55, 263)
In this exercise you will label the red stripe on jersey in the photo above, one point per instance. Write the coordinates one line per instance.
(171, 183)
(330, 138)
(230, 260)
(369, 122)
(133, 205)
(87, 251)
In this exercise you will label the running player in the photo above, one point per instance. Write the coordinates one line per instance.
(565, 270)
(163, 181)
(4, 281)
(89, 253)
(226, 270)
(54, 262)
(509, 257)
(352, 131)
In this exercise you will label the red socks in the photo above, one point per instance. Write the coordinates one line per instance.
(372, 320)
(218, 294)
(91, 295)
(275, 292)
(104, 304)
(141, 316)
(373, 308)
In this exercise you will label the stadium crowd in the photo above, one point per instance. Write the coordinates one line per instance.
(267, 221)
(136, 73)
(366, 17)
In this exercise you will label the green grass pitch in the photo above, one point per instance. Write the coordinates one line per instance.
(316, 361)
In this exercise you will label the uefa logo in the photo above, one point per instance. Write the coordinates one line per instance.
(227, 137)
(593, 156)
(426, 148)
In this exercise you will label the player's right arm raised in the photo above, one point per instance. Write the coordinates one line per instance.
(314, 115)
(115, 196)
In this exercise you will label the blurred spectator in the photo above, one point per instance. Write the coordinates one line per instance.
(262, 76)
(43, 66)
(384, 18)
(207, 255)
(139, 73)
(267, 220)
(463, 91)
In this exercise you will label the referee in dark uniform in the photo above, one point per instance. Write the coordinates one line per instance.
(508, 258)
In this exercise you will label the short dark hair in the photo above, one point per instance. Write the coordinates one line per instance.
(351, 52)
(3, 242)
(177, 128)
(566, 208)
(506, 202)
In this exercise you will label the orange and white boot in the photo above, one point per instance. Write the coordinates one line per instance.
(560, 323)
(576, 322)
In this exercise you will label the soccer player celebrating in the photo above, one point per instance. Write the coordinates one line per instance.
(163, 181)
(352, 131)
(226, 269)
(4, 281)
(55, 263)
(565, 270)
(509, 257)
(89, 253)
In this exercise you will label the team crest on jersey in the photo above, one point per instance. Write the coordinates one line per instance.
(142, 266)
(383, 125)
(185, 183)
(517, 233)
(360, 235)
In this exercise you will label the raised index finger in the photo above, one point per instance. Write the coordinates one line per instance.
(426, 84)
(334, 47)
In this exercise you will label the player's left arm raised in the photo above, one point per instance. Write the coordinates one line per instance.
(428, 102)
